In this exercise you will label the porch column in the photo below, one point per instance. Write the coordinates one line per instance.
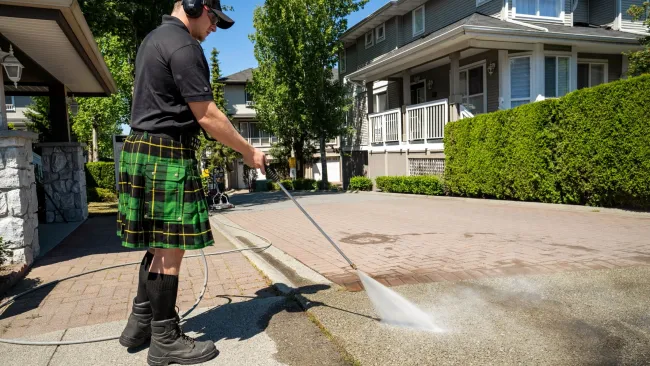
(454, 81)
(370, 94)
(60, 125)
(504, 80)
(573, 72)
(406, 86)
(3, 107)
(537, 72)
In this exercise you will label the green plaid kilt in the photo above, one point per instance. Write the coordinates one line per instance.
(161, 198)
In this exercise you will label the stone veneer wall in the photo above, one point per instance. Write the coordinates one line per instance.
(64, 181)
(18, 201)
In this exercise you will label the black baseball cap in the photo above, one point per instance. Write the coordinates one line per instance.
(224, 21)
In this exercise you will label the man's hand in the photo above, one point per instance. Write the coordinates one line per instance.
(217, 125)
(257, 160)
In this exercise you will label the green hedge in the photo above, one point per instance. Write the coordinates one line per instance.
(360, 184)
(591, 147)
(101, 195)
(298, 185)
(425, 184)
(100, 175)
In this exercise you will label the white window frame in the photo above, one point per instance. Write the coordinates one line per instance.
(557, 55)
(248, 102)
(481, 2)
(382, 38)
(466, 69)
(344, 61)
(372, 39)
(530, 92)
(594, 62)
(376, 105)
(11, 107)
(558, 19)
(424, 24)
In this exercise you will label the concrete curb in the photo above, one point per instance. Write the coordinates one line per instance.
(286, 273)
(495, 202)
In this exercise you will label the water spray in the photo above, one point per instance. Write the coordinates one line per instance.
(392, 308)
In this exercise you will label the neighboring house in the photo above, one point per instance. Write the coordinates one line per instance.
(416, 65)
(16, 108)
(240, 106)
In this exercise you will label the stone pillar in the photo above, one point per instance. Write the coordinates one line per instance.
(18, 201)
(64, 181)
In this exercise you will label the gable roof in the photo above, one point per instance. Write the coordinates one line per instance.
(244, 76)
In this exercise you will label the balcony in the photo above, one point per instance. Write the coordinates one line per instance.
(11, 107)
(425, 124)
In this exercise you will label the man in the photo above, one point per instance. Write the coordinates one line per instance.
(162, 206)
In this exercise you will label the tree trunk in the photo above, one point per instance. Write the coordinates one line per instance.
(95, 147)
(300, 163)
(323, 163)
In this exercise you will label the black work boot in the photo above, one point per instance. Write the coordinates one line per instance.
(138, 327)
(169, 344)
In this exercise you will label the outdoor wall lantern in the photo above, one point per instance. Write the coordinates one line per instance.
(74, 106)
(12, 66)
(491, 68)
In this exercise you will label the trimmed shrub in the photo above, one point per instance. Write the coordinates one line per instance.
(287, 184)
(360, 184)
(100, 174)
(590, 147)
(101, 195)
(423, 184)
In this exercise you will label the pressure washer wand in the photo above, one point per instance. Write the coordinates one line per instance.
(275, 177)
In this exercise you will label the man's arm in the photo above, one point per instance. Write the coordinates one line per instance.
(217, 125)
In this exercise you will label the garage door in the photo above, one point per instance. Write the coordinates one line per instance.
(333, 170)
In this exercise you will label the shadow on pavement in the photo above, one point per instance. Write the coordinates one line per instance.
(244, 320)
(264, 198)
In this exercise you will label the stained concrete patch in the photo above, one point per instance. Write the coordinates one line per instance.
(578, 318)
(20, 355)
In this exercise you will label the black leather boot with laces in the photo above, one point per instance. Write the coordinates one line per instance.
(170, 345)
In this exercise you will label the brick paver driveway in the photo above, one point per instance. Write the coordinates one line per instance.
(107, 295)
(408, 239)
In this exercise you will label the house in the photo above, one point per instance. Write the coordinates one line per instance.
(416, 65)
(240, 106)
(16, 107)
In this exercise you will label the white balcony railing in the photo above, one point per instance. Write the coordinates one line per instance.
(465, 113)
(427, 120)
(386, 126)
(10, 107)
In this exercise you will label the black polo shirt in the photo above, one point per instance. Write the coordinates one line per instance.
(170, 71)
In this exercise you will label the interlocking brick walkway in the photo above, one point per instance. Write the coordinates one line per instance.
(107, 295)
(400, 240)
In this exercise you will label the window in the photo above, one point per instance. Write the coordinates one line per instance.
(519, 81)
(369, 39)
(254, 135)
(249, 99)
(418, 21)
(481, 2)
(539, 8)
(380, 33)
(381, 102)
(591, 74)
(472, 88)
(556, 76)
(344, 60)
(10, 103)
(417, 93)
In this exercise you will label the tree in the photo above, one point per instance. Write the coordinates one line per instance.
(639, 61)
(217, 154)
(37, 114)
(296, 45)
(100, 118)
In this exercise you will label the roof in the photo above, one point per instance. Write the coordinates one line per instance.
(52, 40)
(242, 77)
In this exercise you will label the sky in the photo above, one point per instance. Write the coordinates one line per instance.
(234, 46)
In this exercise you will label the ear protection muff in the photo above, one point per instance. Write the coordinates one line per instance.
(193, 8)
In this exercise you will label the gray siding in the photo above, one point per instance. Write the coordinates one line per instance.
(365, 55)
(628, 23)
(352, 62)
(492, 8)
(394, 92)
(581, 14)
(614, 64)
(438, 14)
(358, 120)
(602, 12)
